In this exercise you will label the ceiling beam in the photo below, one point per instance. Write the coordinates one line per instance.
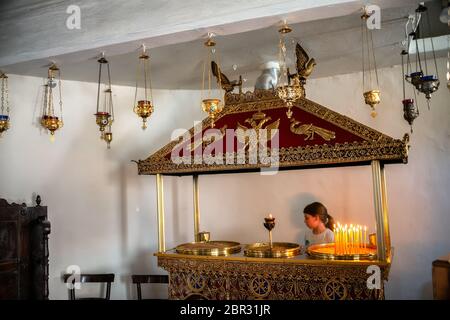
(33, 30)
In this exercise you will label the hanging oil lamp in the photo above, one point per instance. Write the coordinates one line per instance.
(422, 78)
(410, 109)
(448, 62)
(4, 110)
(104, 117)
(144, 107)
(287, 91)
(49, 119)
(211, 104)
(371, 91)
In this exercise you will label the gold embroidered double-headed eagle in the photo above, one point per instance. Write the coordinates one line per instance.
(257, 122)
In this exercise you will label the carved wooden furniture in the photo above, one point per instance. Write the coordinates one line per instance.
(23, 251)
(240, 278)
(139, 279)
(315, 136)
(441, 278)
(106, 278)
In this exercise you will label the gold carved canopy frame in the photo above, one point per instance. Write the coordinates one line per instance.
(361, 144)
(315, 136)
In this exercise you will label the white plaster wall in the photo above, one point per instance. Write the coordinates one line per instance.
(103, 214)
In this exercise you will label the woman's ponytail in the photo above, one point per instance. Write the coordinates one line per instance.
(330, 222)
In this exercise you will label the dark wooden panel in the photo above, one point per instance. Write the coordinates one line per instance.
(8, 240)
(23, 251)
(8, 285)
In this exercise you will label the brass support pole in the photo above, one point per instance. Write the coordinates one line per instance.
(387, 234)
(378, 204)
(196, 209)
(160, 206)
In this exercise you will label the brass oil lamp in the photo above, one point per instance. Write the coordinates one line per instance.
(410, 109)
(211, 104)
(104, 117)
(4, 107)
(49, 119)
(287, 91)
(143, 107)
(269, 224)
(371, 92)
(424, 78)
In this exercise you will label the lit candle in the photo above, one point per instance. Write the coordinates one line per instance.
(351, 238)
(358, 240)
(365, 236)
(339, 233)
(335, 239)
(360, 237)
(346, 239)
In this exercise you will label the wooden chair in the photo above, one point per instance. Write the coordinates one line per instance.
(107, 278)
(138, 279)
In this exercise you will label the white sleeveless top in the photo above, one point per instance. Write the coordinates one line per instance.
(326, 236)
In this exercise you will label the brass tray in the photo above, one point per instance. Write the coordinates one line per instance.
(209, 248)
(325, 251)
(278, 250)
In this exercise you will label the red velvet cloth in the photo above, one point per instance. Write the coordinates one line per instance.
(286, 137)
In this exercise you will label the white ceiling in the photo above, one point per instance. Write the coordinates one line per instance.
(335, 43)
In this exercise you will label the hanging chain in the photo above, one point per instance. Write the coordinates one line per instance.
(51, 110)
(137, 82)
(6, 96)
(3, 93)
(368, 48)
(150, 80)
(111, 107)
(209, 70)
(368, 55)
(60, 94)
(99, 84)
(145, 73)
(45, 104)
(432, 44)
(448, 58)
(408, 60)
(220, 76)
(374, 60)
(282, 59)
(403, 76)
(417, 34)
(362, 53)
(423, 35)
(203, 76)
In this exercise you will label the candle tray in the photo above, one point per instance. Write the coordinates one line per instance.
(209, 248)
(326, 251)
(278, 250)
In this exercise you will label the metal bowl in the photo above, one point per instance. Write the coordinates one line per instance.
(278, 250)
(209, 248)
(326, 251)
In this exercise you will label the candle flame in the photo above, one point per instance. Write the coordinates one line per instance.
(270, 216)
